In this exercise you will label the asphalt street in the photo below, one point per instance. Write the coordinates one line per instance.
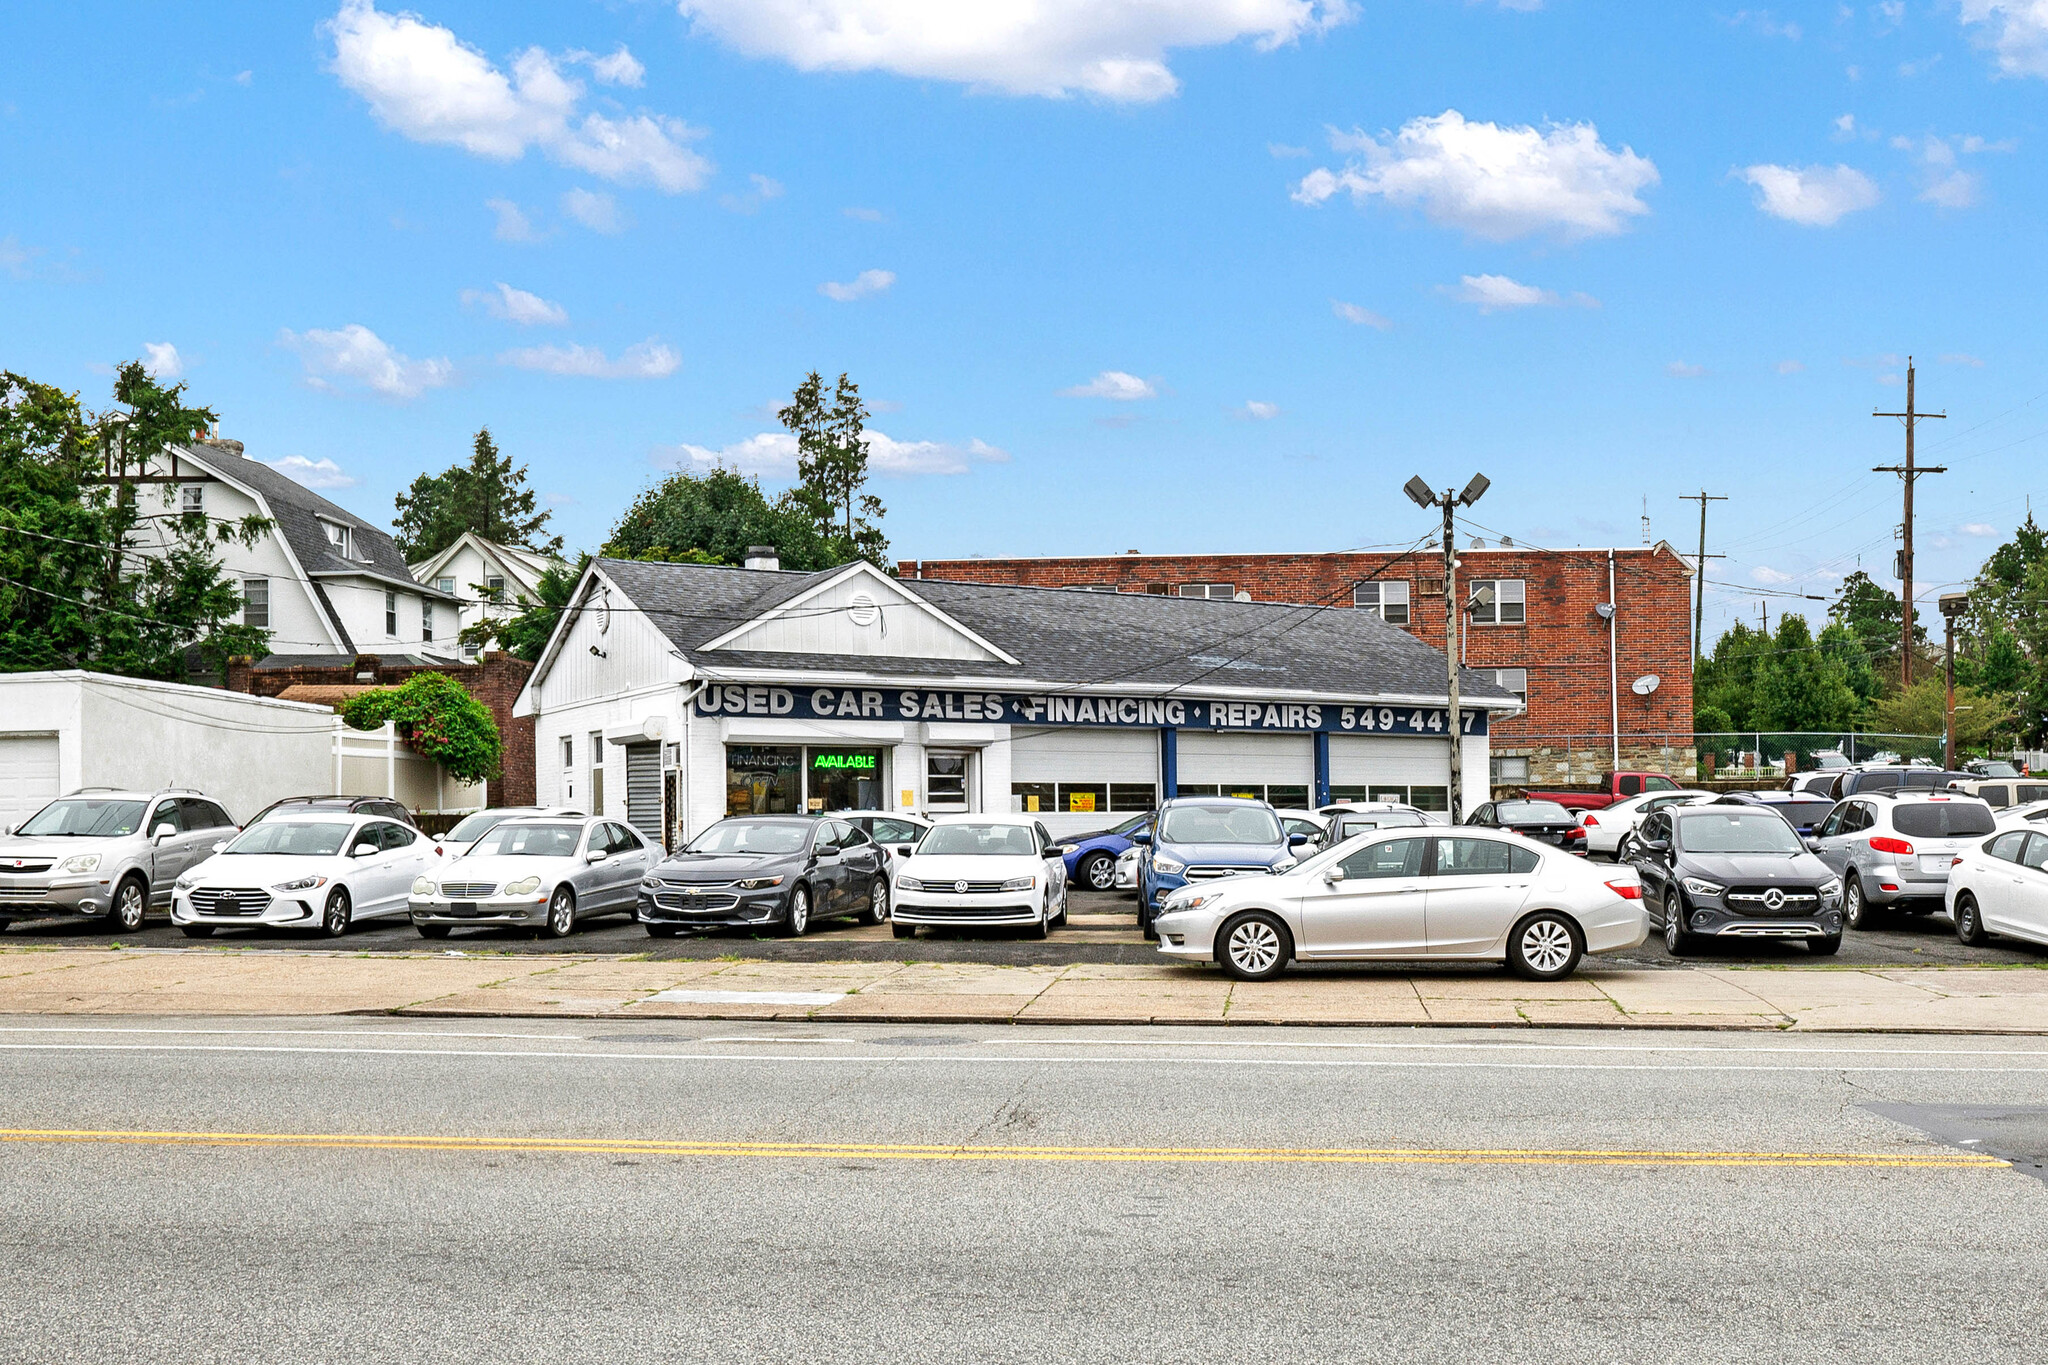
(353, 1190)
(1103, 928)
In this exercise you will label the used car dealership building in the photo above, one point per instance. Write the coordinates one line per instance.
(673, 695)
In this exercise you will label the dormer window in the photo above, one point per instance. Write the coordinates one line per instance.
(341, 539)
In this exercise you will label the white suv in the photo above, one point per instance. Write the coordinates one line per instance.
(1893, 849)
(106, 854)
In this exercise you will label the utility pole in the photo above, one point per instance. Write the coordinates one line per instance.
(1908, 473)
(1953, 604)
(1451, 500)
(1699, 609)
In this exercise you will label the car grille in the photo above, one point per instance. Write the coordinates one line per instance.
(963, 888)
(1756, 900)
(20, 895)
(690, 900)
(1209, 872)
(468, 891)
(964, 912)
(27, 866)
(228, 900)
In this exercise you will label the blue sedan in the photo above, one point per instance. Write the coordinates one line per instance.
(1091, 858)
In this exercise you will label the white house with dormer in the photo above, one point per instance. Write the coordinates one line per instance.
(488, 579)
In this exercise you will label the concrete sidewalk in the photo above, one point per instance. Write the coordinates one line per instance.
(223, 982)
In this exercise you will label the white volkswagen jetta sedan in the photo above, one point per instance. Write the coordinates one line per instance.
(1481, 894)
(983, 871)
(322, 871)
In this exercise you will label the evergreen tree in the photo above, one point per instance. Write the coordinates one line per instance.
(832, 468)
(488, 496)
(1800, 688)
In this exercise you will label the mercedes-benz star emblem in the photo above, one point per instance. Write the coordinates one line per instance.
(960, 887)
(1774, 899)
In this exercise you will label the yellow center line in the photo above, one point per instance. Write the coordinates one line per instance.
(711, 1147)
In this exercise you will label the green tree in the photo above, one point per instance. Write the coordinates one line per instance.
(76, 588)
(1872, 613)
(1726, 681)
(1842, 645)
(487, 496)
(438, 717)
(832, 468)
(717, 514)
(1922, 710)
(525, 632)
(2002, 639)
(1799, 687)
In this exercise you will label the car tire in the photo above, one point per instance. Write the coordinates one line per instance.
(130, 907)
(878, 903)
(1061, 918)
(1097, 872)
(1145, 918)
(1044, 925)
(197, 930)
(903, 930)
(796, 921)
(433, 930)
(1857, 913)
(1545, 946)
(1825, 946)
(1678, 940)
(335, 916)
(561, 921)
(1621, 850)
(1970, 921)
(1254, 946)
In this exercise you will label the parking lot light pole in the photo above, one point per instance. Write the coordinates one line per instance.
(1419, 491)
(1953, 604)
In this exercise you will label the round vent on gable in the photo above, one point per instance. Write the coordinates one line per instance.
(862, 610)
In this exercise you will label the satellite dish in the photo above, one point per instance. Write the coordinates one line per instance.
(1242, 596)
(1645, 685)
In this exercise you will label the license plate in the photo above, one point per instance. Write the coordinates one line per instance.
(463, 908)
(1935, 862)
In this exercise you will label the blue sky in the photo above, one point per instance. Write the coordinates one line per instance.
(1209, 275)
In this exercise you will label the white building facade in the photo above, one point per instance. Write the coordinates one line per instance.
(673, 695)
(489, 580)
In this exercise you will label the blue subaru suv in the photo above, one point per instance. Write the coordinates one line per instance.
(1201, 838)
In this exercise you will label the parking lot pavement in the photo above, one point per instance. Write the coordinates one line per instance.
(1101, 927)
(352, 1190)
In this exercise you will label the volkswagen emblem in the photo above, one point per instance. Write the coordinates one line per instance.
(1774, 899)
(960, 887)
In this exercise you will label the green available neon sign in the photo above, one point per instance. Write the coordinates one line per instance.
(860, 763)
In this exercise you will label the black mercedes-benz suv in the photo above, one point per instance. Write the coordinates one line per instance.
(1735, 872)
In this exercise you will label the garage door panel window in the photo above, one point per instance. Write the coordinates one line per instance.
(1084, 797)
(1033, 797)
(1133, 796)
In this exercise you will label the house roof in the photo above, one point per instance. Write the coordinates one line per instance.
(1059, 637)
(524, 565)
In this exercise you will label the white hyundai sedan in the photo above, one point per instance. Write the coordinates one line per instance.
(1477, 894)
(319, 870)
(2000, 885)
(983, 871)
(1609, 828)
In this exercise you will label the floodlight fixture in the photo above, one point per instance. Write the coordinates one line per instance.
(1422, 494)
(1475, 490)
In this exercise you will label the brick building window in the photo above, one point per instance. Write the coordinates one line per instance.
(1515, 680)
(1510, 770)
(1389, 599)
(1091, 587)
(256, 603)
(1508, 605)
(1217, 592)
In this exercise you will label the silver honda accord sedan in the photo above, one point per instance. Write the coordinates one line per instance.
(543, 873)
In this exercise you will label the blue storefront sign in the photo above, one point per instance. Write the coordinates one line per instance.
(1010, 708)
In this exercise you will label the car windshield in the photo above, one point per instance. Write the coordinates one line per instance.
(86, 816)
(1219, 825)
(1943, 819)
(293, 838)
(475, 827)
(1996, 770)
(1736, 831)
(1532, 813)
(752, 836)
(1015, 841)
(529, 841)
(1133, 825)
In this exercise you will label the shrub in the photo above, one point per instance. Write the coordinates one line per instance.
(435, 715)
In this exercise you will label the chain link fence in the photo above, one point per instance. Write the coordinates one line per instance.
(1576, 760)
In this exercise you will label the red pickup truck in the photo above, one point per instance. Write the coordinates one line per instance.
(1614, 787)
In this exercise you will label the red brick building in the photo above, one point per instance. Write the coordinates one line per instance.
(1542, 634)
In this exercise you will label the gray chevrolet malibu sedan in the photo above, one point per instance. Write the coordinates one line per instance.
(541, 873)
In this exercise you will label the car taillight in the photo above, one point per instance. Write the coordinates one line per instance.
(1956, 861)
(1589, 820)
(1884, 843)
(1628, 891)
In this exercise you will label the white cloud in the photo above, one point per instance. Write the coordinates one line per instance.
(355, 356)
(513, 225)
(1790, 367)
(1494, 182)
(1912, 69)
(1113, 49)
(162, 360)
(595, 210)
(1955, 190)
(1282, 151)
(649, 359)
(312, 473)
(763, 188)
(1977, 528)
(1764, 573)
(1113, 384)
(1845, 126)
(2016, 31)
(620, 68)
(1258, 411)
(1961, 358)
(424, 83)
(1890, 14)
(1944, 183)
(15, 258)
(1498, 293)
(772, 455)
(1763, 22)
(516, 305)
(861, 286)
(1363, 317)
(1678, 369)
(1811, 196)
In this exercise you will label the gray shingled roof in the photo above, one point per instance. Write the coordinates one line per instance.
(1067, 637)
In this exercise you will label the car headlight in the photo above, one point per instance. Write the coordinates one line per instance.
(300, 884)
(423, 887)
(1020, 883)
(1180, 901)
(186, 882)
(1700, 886)
(1831, 888)
(908, 884)
(524, 886)
(83, 862)
(1284, 864)
(1172, 867)
(650, 883)
(757, 883)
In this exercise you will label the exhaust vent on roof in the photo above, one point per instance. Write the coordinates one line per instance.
(763, 557)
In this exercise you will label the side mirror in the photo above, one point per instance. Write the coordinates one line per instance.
(904, 849)
(162, 832)
(1059, 850)
(219, 846)
(596, 855)
(1297, 840)
(1812, 843)
(1143, 836)
(1656, 845)
(362, 850)
(1334, 873)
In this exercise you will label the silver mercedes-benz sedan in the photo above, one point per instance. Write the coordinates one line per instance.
(538, 872)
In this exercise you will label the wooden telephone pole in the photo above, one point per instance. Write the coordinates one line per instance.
(1699, 609)
(1908, 473)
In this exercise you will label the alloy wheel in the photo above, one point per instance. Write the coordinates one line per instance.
(131, 903)
(799, 911)
(1547, 946)
(562, 913)
(1253, 947)
(1853, 909)
(1099, 872)
(334, 920)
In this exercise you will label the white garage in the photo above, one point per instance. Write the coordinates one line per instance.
(1276, 768)
(1083, 771)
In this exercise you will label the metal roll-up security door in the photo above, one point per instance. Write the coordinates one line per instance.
(643, 789)
(1277, 768)
(1083, 770)
(1389, 769)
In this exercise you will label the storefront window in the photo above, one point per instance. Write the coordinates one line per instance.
(844, 779)
(1084, 798)
(1430, 798)
(1133, 796)
(1033, 798)
(763, 779)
